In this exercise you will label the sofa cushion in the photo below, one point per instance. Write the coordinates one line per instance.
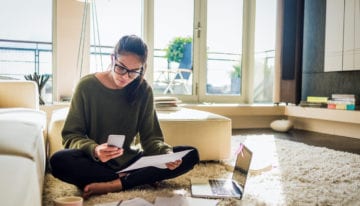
(22, 136)
(19, 93)
(56, 125)
(19, 181)
(22, 132)
(24, 115)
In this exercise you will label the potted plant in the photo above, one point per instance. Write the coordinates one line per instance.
(40, 80)
(236, 79)
(175, 49)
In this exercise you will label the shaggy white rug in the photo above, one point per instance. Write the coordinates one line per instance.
(299, 174)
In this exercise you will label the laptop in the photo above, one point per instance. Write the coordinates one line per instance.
(225, 188)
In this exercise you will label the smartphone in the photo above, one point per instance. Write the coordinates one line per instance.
(116, 140)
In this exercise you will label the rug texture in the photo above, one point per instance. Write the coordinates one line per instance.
(299, 174)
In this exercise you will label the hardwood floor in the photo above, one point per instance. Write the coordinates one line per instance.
(335, 142)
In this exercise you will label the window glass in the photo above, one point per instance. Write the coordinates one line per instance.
(173, 46)
(265, 24)
(26, 20)
(25, 41)
(224, 47)
(110, 20)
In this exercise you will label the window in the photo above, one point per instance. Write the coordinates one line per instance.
(173, 47)
(264, 65)
(25, 44)
(199, 50)
(109, 21)
(224, 34)
(223, 67)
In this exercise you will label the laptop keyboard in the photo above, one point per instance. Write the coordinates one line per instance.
(222, 187)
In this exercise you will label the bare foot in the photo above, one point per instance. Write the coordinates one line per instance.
(99, 188)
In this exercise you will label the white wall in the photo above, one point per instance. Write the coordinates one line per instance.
(67, 29)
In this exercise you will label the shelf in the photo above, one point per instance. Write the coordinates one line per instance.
(345, 116)
(240, 109)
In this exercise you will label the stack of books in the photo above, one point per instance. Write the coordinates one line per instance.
(167, 103)
(315, 101)
(342, 101)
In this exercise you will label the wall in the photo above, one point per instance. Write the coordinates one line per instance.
(314, 80)
(67, 30)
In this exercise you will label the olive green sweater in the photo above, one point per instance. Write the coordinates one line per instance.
(97, 111)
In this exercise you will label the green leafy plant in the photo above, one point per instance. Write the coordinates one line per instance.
(40, 80)
(237, 71)
(175, 49)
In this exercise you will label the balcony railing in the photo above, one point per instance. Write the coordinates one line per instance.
(19, 58)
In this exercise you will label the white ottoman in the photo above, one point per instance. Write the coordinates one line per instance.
(209, 133)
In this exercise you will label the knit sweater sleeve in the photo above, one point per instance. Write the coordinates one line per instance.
(75, 127)
(151, 137)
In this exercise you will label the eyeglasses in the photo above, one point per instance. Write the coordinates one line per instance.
(132, 74)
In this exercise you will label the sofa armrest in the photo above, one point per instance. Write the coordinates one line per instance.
(19, 93)
(55, 127)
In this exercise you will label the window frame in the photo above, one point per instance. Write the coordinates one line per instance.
(199, 58)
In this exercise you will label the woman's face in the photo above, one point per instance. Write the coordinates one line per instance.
(125, 69)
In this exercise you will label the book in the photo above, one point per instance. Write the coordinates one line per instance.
(340, 105)
(317, 99)
(312, 104)
(342, 101)
(343, 96)
(167, 103)
(165, 99)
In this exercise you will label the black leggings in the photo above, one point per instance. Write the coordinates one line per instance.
(76, 167)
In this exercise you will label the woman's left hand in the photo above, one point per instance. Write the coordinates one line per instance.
(173, 165)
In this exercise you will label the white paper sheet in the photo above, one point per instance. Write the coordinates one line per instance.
(176, 200)
(137, 201)
(156, 160)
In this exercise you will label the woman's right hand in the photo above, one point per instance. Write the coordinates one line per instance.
(104, 152)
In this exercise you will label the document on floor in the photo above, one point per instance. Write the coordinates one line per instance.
(176, 200)
(132, 202)
(179, 200)
(156, 160)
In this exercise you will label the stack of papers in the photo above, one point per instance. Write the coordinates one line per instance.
(167, 103)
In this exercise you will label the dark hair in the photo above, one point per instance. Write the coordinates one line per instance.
(134, 45)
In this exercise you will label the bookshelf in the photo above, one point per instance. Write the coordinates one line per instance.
(323, 120)
(346, 116)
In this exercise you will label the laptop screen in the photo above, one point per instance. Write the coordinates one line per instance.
(242, 165)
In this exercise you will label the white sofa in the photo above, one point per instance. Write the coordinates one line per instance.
(22, 144)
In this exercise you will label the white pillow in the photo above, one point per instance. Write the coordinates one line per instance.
(282, 125)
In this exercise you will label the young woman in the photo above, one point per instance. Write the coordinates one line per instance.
(117, 101)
